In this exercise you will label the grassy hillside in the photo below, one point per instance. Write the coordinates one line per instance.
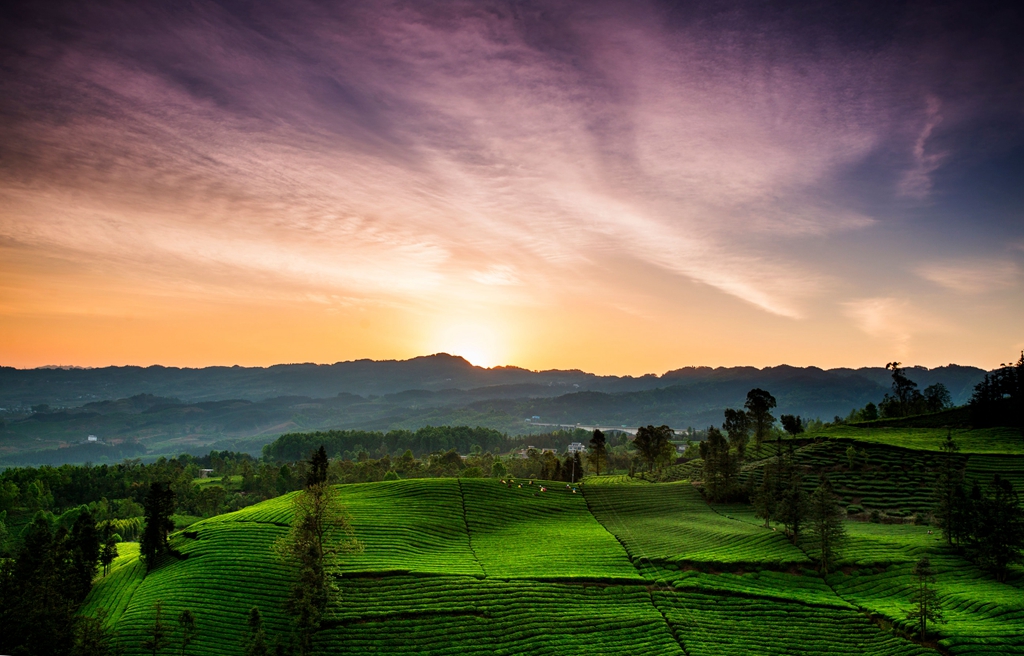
(474, 566)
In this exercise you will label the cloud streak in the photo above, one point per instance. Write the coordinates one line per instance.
(458, 153)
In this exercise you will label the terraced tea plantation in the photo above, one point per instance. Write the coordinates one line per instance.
(474, 566)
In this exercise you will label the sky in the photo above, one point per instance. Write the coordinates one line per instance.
(618, 187)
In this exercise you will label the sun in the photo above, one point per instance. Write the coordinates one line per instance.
(481, 344)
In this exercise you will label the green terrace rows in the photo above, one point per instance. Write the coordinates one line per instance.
(405, 615)
(895, 480)
(983, 616)
(977, 440)
(520, 532)
(722, 625)
(670, 522)
(404, 526)
(471, 566)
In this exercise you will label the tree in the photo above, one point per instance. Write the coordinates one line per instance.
(906, 400)
(108, 552)
(793, 507)
(255, 644)
(998, 535)
(826, 525)
(651, 443)
(320, 531)
(792, 425)
(187, 622)
(598, 450)
(719, 466)
(158, 507)
(764, 500)
(946, 496)
(927, 607)
(759, 406)
(84, 545)
(318, 465)
(158, 633)
(92, 638)
(937, 398)
(737, 425)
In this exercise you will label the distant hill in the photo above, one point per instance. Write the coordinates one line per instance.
(166, 410)
(22, 388)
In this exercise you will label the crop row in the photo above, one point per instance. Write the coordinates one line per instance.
(722, 625)
(117, 587)
(413, 526)
(399, 615)
(978, 610)
(523, 532)
(670, 522)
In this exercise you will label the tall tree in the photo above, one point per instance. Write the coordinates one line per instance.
(737, 425)
(84, 545)
(759, 406)
(255, 643)
(906, 400)
(937, 397)
(826, 525)
(792, 506)
(720, 466)
(158, 634)
(946, 496)
(318, 465)
(108, 552)
(158, 506)
(651, 442)
(598, 450)
(792, 424)
(320, 531)
(93, 638)
(927, 607)
(999, 529)
(187, 622)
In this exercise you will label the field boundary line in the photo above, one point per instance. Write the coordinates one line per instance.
(469, 535)
(651, 589)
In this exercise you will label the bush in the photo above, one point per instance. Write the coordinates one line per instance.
(854, 509)
(391, 476)
(876, 517)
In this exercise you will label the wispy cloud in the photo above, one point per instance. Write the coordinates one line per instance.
(917, 181)
(973, 277)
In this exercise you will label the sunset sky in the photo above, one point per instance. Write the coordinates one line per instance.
(619, 187)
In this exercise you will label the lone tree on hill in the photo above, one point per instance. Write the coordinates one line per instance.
(737, 425)
(759, 406)
(598, 450)
(905, 399)
(320, 532)
(826, 525)
(927, 607)
(158, 506)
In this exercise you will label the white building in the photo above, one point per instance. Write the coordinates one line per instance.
(577, 447)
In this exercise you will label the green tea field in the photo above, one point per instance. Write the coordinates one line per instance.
(475, 566)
